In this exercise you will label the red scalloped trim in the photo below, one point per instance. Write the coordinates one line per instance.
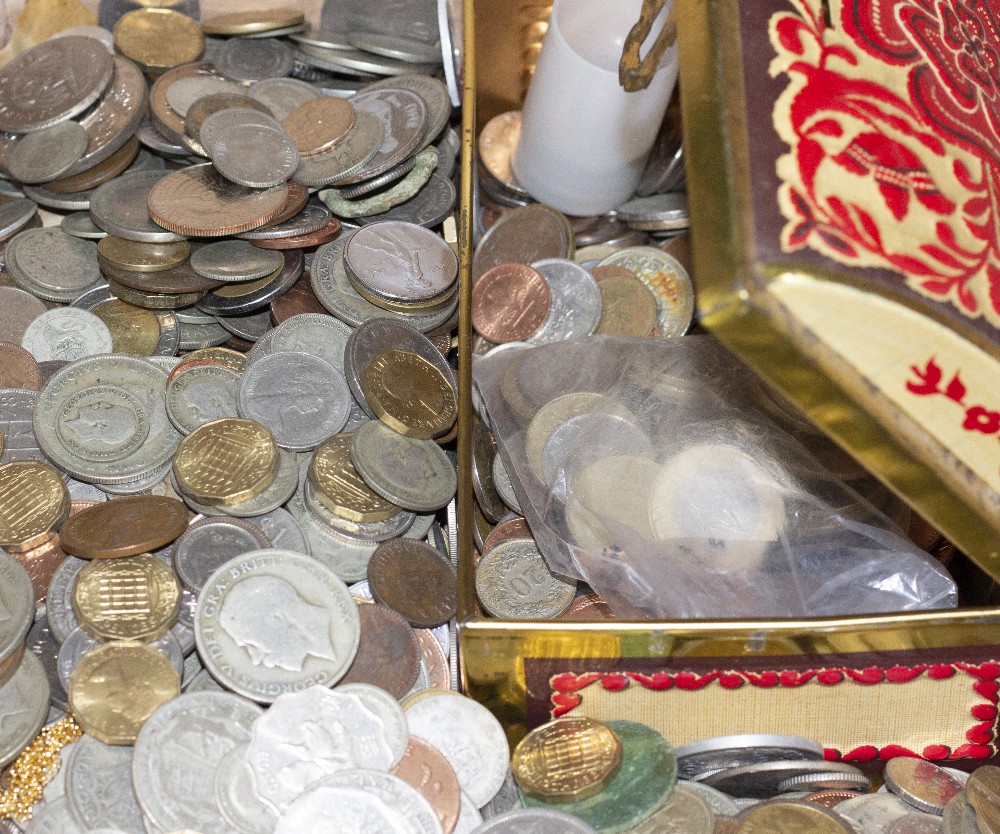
(982, 736)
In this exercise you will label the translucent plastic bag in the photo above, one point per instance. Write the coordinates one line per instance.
(655, 471)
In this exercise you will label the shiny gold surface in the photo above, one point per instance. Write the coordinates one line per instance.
(340, 488)
(409, 394)
(34, 501)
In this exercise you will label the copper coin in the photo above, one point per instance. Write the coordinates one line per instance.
(424, 768)
(101, 173)
(18, 308)
(198, 201)
(388, 654)
(320, 124)
(414, 580)
(188, 364)
(510, 302)
(325, 234)
(435, 660)
(299, 299)
(177, 279)
(830, 799)
(628, 308)
(588, 607)
(124, 527)
(205, 106)
(18, 368)
(512, 528)
(524, 235)
(298, 196)
(41, 563)
(238, 343)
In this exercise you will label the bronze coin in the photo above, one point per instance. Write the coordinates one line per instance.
(299, 299)
(320, 124)
(435, 660)
(510, 302)
(628, 308)
(101, 173)
(18, 308)
(178, 279)
(298, 196)
(18, 368)
(512, 528)
(414, 580)
(388, 655)
(124, 527)
(589, 607)
(424, 768)
(829, 799)
(41, 563)
(328, 232)
(524, 235)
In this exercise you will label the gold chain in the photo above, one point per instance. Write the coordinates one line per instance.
(35, 768)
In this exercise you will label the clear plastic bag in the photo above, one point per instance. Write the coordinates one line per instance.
(655, 470)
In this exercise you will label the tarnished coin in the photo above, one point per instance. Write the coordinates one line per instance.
(34, 501)
(415, 580)
(667, 279)
(46, 154)
(120, 208)
(117, 686)
(276, 621)
(510, 302)
(124, 527)
(983, 794)
(404, 119)
(252, 59)
(211, 542)
(525, 235)
(210, 116)
(414, 474)
(699, 758)
(252, 22)
(408, 393)
(24, 700)
(790, 816)
(51, 82)
(514, 582)
(282, 95)
(51, 264)
(628, 308)
(922, 784)
(158, 38)
(257, 156)
(388, 654)
(99, 785)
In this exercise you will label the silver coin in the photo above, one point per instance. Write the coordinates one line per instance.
(921, 784)
(250, 327)
(254, 300)
(52, 816)
(347, 157)
(52, 264)
(404, 118)
(176, 755)
(873, 812)
(17, 601)
(147, 133)
(394, 174)
(369, 531)
(99, 785)
(79, 224)
(959, 817)
(276, 621)
(234, 260)
(400, 262)
(14, 214)
(257, 156)
(52, 82)
(46, 154)
(192, 315)
(514, 582)
(312, 218)
(413, 474)
(712, 754)
(281, 528)
(434, 94)
(721, 804)
(282, 95)
(915, 824)
(212, 542)
(45, 647)
(79, 201)
(345, 556)
(576, 301)
(763, 780)
(277, 493)
(432, 204)
(303, 399)
(185, 91)
(120, 207)
(659, 212)
(59, 598)
(198, 336)
(144, 483)
(24, 703)
(504, 485)
(66, 334)
(222, 121)
(365, 62)
(320, 335)
(408, 50)
(236, 795)
(506, 799)
(548, 820)
(243, 59)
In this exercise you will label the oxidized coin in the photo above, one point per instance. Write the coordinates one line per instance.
(340, 488)
(124, 527)
(510, 302)
(226, 461)
(388, 655)
(117, 686)
(413, 474)
(274, 621)
(134, 598)
(200, 202)
(424, 768)
(415, 580)
(409, 394)
(34, 501)
(769, 817)
(569, 758)
(514, 582)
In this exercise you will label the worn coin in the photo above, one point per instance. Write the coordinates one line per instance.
(424, 768)
(409, 394)
(66, 334)
(52, 264)
(667, 279)
(762, 780)
(46, 154)
(701, 757)
(339, 486)
(234, 260)
(258, 156)
(124, 526)
(245, 60)
(388, 654)
(415, 580)
(576, 301)
(158, 38)
(525, 235)
(514, 582)
(120, 208)
(343, 159)
(794, 816)
(282, 95)
(318, 125)
(404, 119)
(200, 394)
(24, 700)
(99, 785)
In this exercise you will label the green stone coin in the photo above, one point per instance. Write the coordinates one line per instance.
(643, 783)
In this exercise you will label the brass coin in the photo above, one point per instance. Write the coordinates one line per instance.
(253, 22)
(175, 280)
(134, 331)
(34, 501)
(133, 256)
(983, 793)
(800, 817)
(415, 580)
(124, 527)
(628, 307)
(158, 39)
(226, 461)
(340, 488)
(152, 300)
(567, 759)
(198, 201)
(117, 686)
(222, 356)
(134, 598)
(409, 394)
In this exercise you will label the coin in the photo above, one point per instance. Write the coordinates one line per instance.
(18, 309)
(46, 154)
(200, 394)
(983, 793)
(99, 785)
(117, 686)
(510, 302)
(18, 368)
(667, 279)
(762, 779)
(424, 768)
(258, 156)
(404, 118)
(24, 699)
(795, 816)
(252, 22)
(514, 582)
(132, 598)
(541, 819)
(524, 235)
(137, 256)
(318, 125)
(415, 580)
(388, 655)
(51, 264)
(120, 207)
(702, 757)
(252, 59)
(345, 158)
(124, 527)
(158, 39)
(496, 144)
(226, 461)
(33, 503)
(575, 301)
(409, 394)
(234, 260)
(275, 621)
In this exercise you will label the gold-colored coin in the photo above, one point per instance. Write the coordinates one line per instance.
(116, 687)
(438, 302)
(152, 300)
(252, 22)
(340, 488)
(983, 793)
(232, 359)
(243, 288)
(800, 817)
(134, 330)
(409, 394)
(134, 256)
(226, 461)
(34, 501)
(158, 39)
(567, 759)
(132, 598)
